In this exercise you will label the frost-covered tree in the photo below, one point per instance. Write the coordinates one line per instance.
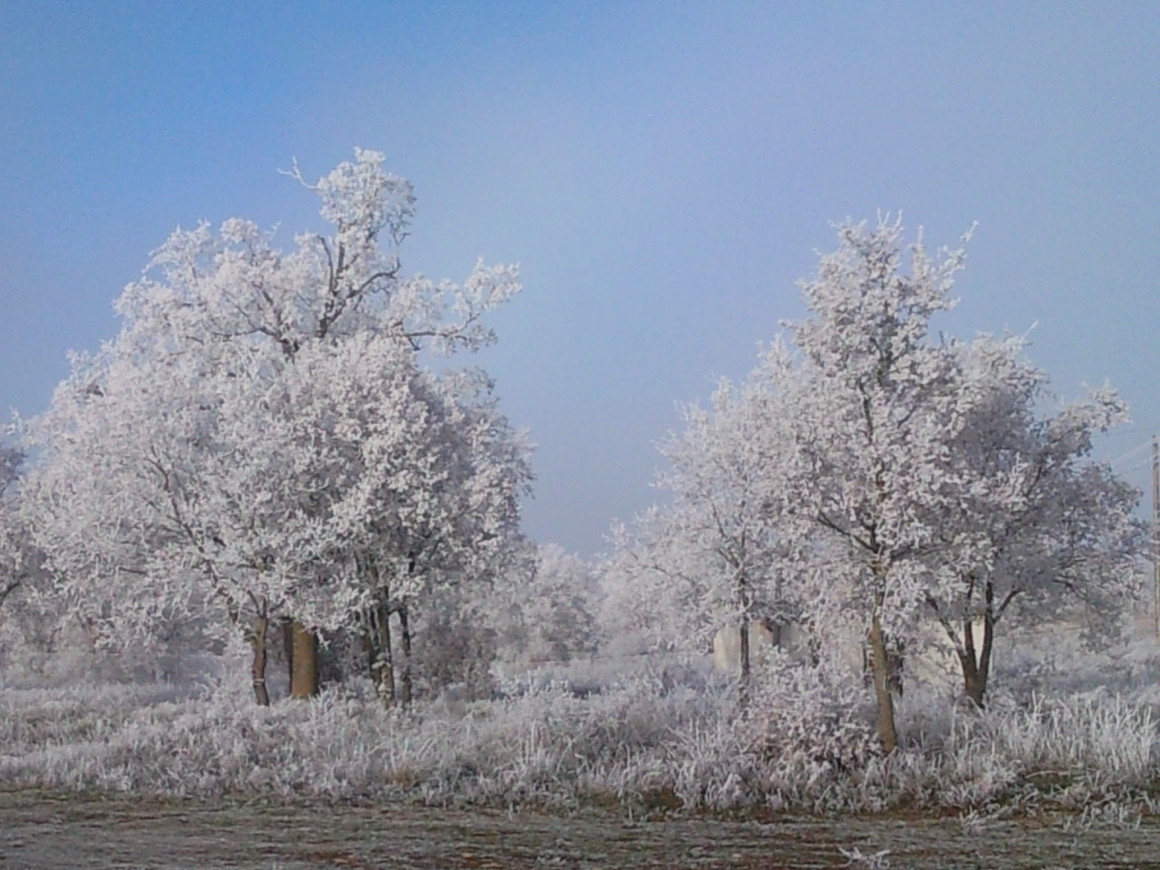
(1036, 527)
(155, 497)
(923, 478)
(427, 476)
(651, 587)
(717, 549)
(18, 559)
(545, 608)
(871, 417)
(878, 478)
(219, 449)
(42, 633)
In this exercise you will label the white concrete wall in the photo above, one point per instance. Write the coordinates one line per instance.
(727, 644)
(934, 663)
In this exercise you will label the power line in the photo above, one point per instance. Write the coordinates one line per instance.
(1143, 445)
(1144, 463)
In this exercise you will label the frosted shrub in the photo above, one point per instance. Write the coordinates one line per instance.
(612, 743)
(546, 746)
(818, 713)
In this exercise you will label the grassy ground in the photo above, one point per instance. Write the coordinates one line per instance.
(1082, 739)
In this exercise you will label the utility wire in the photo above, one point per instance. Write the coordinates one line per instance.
(1142, 464)
(1143, 445)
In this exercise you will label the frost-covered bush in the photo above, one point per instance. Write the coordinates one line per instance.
(1055, 659)
(36, 719)
(817, 711)
(454, 647)
(42, 647)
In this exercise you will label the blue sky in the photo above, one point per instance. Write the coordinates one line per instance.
(663, 173)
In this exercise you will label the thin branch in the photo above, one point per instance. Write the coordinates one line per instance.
(12, 586)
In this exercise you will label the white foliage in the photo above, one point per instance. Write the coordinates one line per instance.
(871, 419)
(1035, 527)
(717, 554)
(545, 608)
(880, 478)
(261, 440)
(20, 562)
(814, 710)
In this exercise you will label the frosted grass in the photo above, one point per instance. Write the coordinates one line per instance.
(642, 744)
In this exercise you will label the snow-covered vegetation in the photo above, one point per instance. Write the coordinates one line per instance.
(266, 545)
(664, 738)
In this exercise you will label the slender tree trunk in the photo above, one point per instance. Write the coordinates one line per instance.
(257, 638)
(977, 668)
(970, 664)
(775, 625)
(975, 684)
(743, 685)
(378, 637)
(743, 645)
(813, 641)
(406, 693)
(287, 626)
(304, 662)
(896, 660)
(880, 667)
(985, 656)
(379, 649)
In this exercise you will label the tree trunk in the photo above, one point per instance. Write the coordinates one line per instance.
(287, 626)
(985, 656)
(406, 693)
(896, 660)
(775, 628)
(880, 666)
(743, 686)
(379, 654)
(975, 684)
(977, 668)
(303, 662)
(257, 638)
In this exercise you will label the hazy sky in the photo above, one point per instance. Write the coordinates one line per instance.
(662, 172)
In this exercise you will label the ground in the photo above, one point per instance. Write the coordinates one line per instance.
(41, 829)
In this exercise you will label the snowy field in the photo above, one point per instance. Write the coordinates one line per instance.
(582, 767)
(1065, 730)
